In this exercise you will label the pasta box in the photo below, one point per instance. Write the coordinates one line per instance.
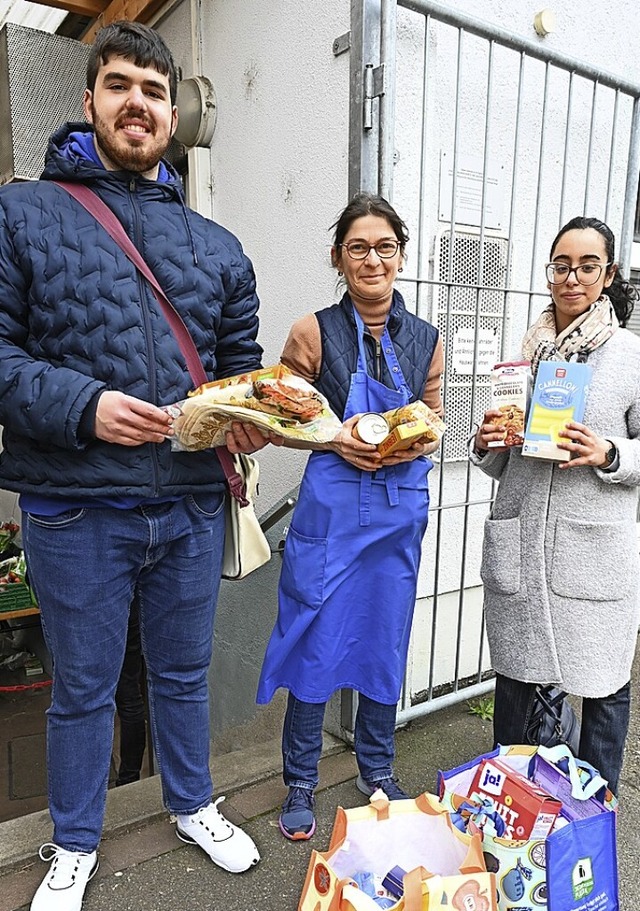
(559, 396)
(529, 812)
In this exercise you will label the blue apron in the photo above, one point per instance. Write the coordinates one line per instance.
(350, 564)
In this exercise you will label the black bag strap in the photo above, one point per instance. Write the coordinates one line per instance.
(113, 226)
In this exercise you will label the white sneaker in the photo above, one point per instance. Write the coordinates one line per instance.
(227, 845)
(63, 887)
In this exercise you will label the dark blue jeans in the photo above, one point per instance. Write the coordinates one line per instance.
(374, 741)
(84, 566)
(603, 730)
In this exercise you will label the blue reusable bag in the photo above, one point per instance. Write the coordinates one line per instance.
(572, 869)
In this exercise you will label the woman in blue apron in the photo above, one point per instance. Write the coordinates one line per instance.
(349, 576)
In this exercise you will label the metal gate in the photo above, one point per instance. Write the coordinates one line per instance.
(486, 143)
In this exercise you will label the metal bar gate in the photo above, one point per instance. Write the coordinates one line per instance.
(486, 143)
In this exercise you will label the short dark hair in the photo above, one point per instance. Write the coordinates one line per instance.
(368, 204)
(622, 294)
(133, 41)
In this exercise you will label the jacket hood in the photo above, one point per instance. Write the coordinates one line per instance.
(65, 160)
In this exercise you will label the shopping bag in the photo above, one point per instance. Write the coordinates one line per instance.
(415, 835)
(245, 545)
(553, 720)
(423, 891)
(571, 869)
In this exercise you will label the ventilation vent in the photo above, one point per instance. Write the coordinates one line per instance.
(468, 307)
(42, 79)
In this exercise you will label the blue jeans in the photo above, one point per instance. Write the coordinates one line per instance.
(84, 566)
(374, 741)
(603, 729)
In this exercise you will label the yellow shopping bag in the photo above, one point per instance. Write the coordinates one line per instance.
(442, 863)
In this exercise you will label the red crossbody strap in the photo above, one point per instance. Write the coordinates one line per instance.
(112, 225)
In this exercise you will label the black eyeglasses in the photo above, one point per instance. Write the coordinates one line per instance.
(358, 249)
(586, 273)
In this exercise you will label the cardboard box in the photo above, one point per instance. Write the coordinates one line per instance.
(416, 411)
(559, 396)
(527, 810)
(550, 778)
(509, 395)
(404, 436)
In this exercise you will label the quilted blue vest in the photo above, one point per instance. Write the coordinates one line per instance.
(414, 341)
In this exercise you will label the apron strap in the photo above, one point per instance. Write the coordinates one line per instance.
(387, 350)
(365, 498)
(391, 483)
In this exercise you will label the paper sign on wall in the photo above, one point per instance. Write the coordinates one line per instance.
(488, 352)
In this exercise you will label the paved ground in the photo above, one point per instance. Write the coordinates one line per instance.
(145, 868)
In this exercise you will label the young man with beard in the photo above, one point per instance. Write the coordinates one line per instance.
(86, 362)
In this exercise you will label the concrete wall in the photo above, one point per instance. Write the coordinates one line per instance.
(279, 159)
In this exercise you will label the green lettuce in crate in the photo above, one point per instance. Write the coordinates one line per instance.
(15, 594)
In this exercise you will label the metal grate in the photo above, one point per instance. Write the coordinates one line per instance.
(470, 275)
(42, 79)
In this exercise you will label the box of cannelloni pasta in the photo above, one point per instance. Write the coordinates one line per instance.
(559, 396)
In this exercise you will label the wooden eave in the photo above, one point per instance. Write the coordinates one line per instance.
(102, 12)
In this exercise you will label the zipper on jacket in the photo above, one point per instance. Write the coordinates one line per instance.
(378, 360)
(145, 290)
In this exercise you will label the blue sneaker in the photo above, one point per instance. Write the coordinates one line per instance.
(297, 821)
(389, 785)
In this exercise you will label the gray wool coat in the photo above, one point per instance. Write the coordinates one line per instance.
(560, 554)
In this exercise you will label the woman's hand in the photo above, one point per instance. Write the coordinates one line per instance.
(490, 432)
(362, 455)
(413, 452)
(586, 446)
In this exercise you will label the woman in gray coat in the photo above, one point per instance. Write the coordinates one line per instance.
(560, 555)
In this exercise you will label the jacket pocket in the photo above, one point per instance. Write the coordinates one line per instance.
(591, 560)
(500, 569)
(303, 568)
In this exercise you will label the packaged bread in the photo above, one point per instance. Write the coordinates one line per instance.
(417, 411)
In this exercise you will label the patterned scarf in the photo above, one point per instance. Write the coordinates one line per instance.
(586, 333)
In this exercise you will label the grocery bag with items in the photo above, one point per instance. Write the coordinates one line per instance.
(547, 823)
(273, 399)
(403, 855)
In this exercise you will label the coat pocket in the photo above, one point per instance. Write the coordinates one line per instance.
(303, 568)
(592, 560)
(500, 568)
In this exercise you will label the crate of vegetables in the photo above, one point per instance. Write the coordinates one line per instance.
(15, 593)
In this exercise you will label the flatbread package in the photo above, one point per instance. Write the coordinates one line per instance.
(272, 399)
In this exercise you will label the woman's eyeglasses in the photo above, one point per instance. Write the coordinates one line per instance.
(586, 273)
(385, 249)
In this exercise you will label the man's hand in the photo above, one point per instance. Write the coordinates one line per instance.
(249, 438)
(129, 421)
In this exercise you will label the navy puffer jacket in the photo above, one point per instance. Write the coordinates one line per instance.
(76, 318)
